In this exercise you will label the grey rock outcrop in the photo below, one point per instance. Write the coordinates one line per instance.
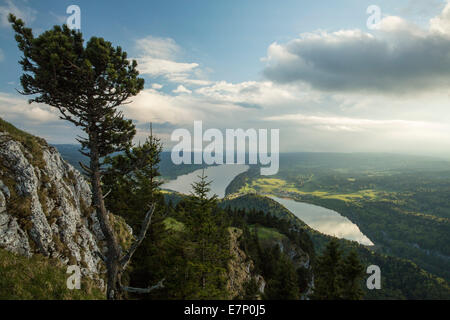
(45, 207)
(12, 237)
(240, 268)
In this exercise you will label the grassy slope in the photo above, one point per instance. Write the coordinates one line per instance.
(39, 278)
(268, 234)
(18, 134)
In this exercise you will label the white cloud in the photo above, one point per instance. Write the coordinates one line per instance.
(441, 23)
(398, 58)
(319, 121)
(336, 123)
(257, 94)
(182, 89)
(161, 67)
(155, 106)
(23, 12)
(18, 109)
(157, 58)
(157, 86)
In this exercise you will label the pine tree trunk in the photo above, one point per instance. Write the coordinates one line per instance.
(113, 254)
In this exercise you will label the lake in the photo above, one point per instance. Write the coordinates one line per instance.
(321, 219)
(325, 220)
(221, 176)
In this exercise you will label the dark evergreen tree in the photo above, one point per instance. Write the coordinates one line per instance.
(208, 244)
(131, 179)
(352, 272)
(327, 273)
(284, 283)
(338, 277)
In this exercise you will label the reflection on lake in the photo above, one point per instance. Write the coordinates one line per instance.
(221, 176)
(321, 219)
(325, 220)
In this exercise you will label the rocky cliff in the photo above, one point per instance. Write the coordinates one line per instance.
(45, 204)
(240, 268)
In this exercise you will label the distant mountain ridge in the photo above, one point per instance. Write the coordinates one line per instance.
(168, 170)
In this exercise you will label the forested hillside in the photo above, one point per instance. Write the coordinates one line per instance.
(401, 279)
(399, 202)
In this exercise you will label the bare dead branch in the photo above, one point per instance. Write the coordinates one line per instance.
(107, 194)
(159, 285)
(144, 227)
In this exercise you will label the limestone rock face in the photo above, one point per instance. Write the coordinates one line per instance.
(45, 206)
(12, 237)
(240, 268)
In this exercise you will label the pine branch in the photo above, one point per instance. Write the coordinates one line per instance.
(85, 168)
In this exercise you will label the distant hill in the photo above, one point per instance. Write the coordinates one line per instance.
(168, 170)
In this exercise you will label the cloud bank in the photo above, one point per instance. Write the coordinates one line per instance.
(399, 57)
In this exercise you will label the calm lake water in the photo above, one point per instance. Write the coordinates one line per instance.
(325, 220)
(221, 176)
(321, 219)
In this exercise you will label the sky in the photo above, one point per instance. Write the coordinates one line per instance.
(314, 70)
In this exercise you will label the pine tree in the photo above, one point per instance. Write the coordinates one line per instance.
(131, 180)
(208, 244)
(284, 284)
(337, 277)
(352, 272)
(87, 84)
(327, 273)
